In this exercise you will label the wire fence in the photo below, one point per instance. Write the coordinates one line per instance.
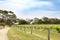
(48, 33)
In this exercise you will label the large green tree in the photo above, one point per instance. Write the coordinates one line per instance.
(7, 17)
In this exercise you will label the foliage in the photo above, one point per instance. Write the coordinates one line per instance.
(15, 34)
(58, 29)
(9, 22)
(44, 20)
(7, 17)
(21, 21)
(37, 29)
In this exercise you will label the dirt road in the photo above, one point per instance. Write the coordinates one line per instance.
(3, 33)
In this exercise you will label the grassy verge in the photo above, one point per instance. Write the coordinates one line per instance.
(53, 36)
(19, 32)
(14, 34)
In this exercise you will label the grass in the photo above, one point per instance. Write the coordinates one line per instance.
(53, 36)
(19, 32)
(14, 34)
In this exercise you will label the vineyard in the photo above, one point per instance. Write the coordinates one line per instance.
(34, 32)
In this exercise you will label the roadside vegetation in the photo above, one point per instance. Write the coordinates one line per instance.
(39, 32)
(15, 34)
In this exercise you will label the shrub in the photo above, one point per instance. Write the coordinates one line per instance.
(58, 30)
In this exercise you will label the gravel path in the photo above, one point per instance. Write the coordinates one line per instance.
(3, 33)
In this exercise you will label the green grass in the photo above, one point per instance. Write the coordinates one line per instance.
(41, 26)
(53, 36)
(19, 32)
(14, 34)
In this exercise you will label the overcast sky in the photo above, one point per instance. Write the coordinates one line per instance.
(32, 8)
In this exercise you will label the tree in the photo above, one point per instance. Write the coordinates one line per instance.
(35, 20)
(1, 11)
(6, 17)
(9, 22)
(45, 20)
(21, 21)
(40, 21)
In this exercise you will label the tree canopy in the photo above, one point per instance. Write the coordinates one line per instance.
(7, 17)
(44, 20)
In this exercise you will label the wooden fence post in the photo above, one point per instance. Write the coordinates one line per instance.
(24, 29)
(48, 34)
(31, 30)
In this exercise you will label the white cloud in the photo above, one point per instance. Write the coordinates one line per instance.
(46, 3)
(18, 5)
(26, 3)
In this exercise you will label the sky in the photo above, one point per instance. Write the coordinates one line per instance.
(32, 8)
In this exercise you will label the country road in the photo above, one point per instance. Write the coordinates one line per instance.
(3, 33)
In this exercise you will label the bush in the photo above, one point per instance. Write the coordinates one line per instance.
(58, 30)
